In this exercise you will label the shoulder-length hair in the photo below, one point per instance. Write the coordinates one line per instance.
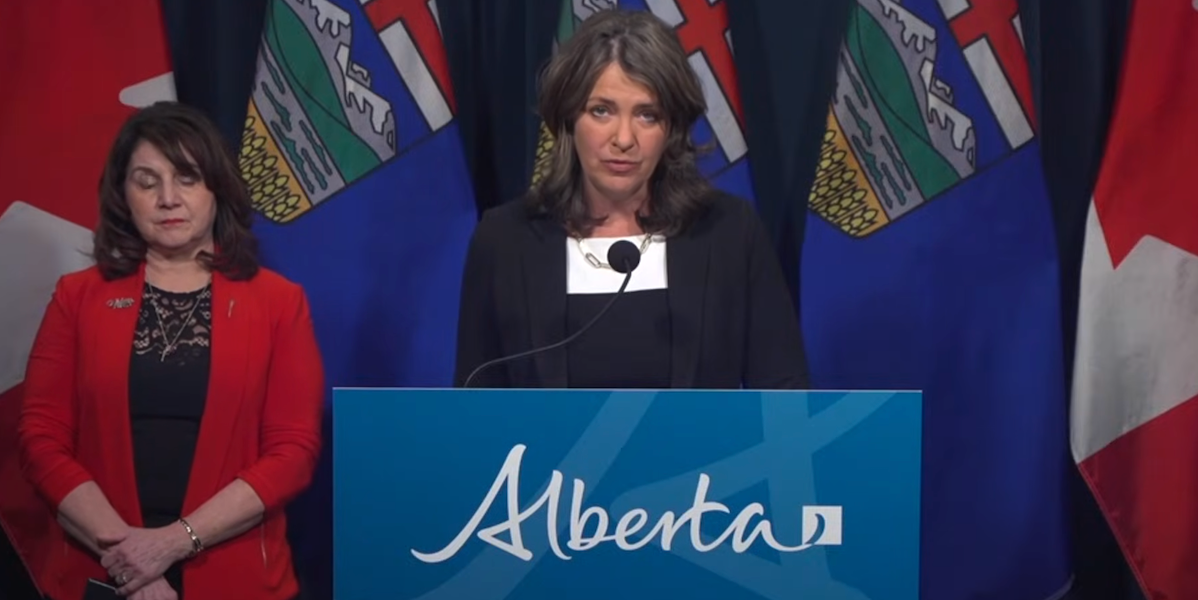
(647, 50)
(194, 146)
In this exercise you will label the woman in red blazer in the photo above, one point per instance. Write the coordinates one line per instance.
(174, 393)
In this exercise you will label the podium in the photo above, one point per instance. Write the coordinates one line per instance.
(452, 494)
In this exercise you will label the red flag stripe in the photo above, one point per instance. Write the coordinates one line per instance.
(1153, 144)
(70, 60)
(1146, 484)
(1135, 404)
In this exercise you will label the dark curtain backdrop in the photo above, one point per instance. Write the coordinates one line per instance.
(786, 69)
(1075, 49)
(785, 55)
(495, 50)
(214, 50)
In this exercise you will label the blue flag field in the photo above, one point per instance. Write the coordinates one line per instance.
(930, 263)
(356, 167)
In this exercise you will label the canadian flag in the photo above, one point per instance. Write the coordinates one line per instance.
(73, 72)
(1134, 422)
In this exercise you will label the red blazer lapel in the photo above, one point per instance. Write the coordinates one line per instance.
(109, 345)
(105, 385)
(233, 322)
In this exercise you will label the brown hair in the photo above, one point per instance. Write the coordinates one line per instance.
(648, 50)
(178, 131)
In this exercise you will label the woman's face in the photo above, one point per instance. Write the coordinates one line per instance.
(173, 212)
(619, 137)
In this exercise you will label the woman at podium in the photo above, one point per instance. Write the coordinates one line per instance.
(174, 391)
(623, 267)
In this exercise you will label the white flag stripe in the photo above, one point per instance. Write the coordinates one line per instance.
(951, 8)
(1137, 355)
(432, 7)
(586, 8)
(667, 11)
(36, 248)
(145, 93)
(719, 112)
(416, 75)
(989, 73)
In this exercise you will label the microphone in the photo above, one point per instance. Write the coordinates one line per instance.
(624, 257)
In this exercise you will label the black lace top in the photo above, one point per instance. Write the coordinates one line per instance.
(168, 384)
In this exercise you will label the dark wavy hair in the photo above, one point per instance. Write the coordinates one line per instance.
(178, 131)
(649, 51)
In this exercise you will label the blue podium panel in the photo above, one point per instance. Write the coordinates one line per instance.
(629, 495)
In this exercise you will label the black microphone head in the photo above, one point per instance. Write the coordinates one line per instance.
(623, 256)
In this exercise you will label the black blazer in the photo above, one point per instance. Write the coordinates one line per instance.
(733, 320)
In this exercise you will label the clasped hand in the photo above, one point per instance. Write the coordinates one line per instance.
(137, 559)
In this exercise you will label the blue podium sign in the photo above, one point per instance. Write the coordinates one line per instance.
(636, 495)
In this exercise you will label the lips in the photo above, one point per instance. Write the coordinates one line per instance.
(620, 166)
(172, 222)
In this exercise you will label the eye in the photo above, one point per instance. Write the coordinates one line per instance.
(600, 111)
(188, 180)
(650, 116)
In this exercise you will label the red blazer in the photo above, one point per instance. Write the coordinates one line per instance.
(261, 423)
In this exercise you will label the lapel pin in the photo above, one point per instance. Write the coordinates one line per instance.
(231, 309)
(120, 303)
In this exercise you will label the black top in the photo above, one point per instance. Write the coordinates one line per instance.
(732, 321)
(168, 386)
(628, 348)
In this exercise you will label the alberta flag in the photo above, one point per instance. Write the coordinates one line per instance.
(355, 163)
(702, 26)
(930, 263)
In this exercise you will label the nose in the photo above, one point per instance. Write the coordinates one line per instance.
(170, 194)
(624, 137)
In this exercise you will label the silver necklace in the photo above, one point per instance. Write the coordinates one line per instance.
(170, 347)
(594, 260)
